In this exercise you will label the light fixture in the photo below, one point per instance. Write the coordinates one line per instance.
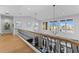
(7, 12)
(54, 11)
(36, 24)
(28, 8)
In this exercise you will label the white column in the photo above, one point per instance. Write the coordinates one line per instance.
(14, 32)
(33, 43)
(0, 25)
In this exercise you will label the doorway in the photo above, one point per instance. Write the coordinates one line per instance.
(7, 24)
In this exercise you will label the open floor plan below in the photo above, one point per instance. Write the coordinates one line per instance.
(39, 28)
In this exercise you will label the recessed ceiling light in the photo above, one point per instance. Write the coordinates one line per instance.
(36, 23)
(28, 8)
(7, 12)
(35, 13)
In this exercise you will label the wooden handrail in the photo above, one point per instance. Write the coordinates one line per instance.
(54, 37)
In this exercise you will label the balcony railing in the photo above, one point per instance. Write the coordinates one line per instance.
(50, 44)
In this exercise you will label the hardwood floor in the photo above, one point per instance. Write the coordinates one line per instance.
(13, 44)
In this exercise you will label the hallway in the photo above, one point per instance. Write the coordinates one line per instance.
(13, 44)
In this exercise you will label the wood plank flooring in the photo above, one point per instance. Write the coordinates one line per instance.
(13, 44)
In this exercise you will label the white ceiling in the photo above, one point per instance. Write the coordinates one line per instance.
(20, 9)
(66, 10)
(40, 11)
(26, 10)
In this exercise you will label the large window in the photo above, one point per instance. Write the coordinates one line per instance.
(52, 25)
(68, 24)
(62, 25)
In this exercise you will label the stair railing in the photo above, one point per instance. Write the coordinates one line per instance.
(53, 44)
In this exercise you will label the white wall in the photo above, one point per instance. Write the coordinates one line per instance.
(0, 25)
(27, 22)
(66, 10)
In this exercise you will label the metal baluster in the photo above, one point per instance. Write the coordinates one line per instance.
(66, 47)
(57, 46)
(46, 48)
(52, 43)
(47, 45)
(33, 43)
(52, 46)
(36, 41)
(78, 49)
(54, 49)
(44, 42)
(74, 48)
(69, 48)
(63, 47)
(39, 42)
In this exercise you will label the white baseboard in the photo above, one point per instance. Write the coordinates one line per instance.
(36, 50)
